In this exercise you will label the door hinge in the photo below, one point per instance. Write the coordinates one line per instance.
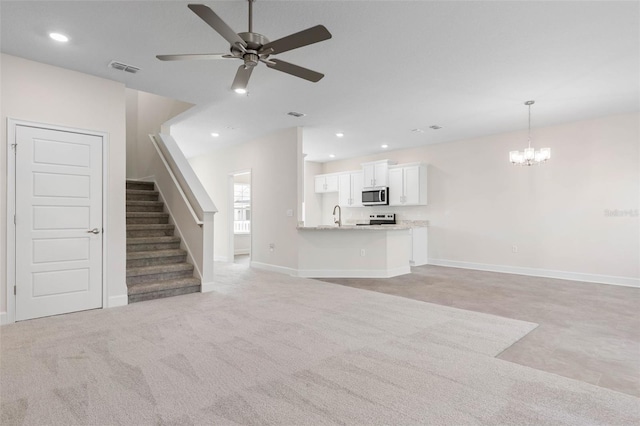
(14, 219)
(14, 146)
(14, 290)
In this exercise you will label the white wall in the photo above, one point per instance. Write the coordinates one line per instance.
(42, 93)
(312, 201)
(146, 113)
(480, 205)
(273, 161)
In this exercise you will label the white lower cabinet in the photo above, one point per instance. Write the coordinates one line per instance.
(408, 185)
(350, 189)
(418, 247)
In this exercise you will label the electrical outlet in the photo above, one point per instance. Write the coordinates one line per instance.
(272, 246)
(362, 253)
(514, 248)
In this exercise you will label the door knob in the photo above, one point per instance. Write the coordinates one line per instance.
(94, 231)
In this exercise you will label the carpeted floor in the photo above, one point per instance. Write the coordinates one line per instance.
(265, 348)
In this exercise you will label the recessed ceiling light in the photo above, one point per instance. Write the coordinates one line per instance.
(435, 127)
(59, 37)
(385, 146)
(332, 156)
(417, 130)
(215, 135)
(240, 91)
(339, 134)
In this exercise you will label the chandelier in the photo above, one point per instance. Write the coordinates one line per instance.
(529, 157)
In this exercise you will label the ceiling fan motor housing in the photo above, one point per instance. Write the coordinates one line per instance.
(250, 53)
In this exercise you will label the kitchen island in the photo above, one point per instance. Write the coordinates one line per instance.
(350, 251)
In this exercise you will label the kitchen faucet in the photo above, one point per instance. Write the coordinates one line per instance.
(339, 221)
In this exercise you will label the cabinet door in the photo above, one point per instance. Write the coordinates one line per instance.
(356, 189)
(380, 174)
(332, 183)
(320, 184)
(344, 189)
(412, 185)
(396, 187)
(368, 174)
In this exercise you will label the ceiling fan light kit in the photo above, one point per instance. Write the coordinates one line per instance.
(529, 157)
(253, 48)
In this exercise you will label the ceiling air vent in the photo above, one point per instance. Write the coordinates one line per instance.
(296, 114)
(124, 67)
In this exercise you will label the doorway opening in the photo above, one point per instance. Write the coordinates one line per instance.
(241, 217)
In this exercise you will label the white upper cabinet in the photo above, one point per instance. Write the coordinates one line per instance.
(350, 189)
(408, 185)
(326, 183)
(375, 174)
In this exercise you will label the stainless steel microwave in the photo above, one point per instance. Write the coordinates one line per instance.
(375, 197)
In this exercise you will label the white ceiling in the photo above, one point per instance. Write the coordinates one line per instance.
(390, 67)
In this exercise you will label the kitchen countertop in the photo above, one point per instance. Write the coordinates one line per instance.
(404, 224)
(397, 227)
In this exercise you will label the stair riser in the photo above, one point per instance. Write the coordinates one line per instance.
(150, 233)
(147, 220)
(153, 246)
(143, 186)
(159, 277)
(151, 196)
(142, 208)
(163, 293)
(156, 261)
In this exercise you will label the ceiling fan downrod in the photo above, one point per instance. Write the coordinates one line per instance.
(250, 15)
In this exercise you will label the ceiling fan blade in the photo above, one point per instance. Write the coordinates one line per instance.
(295, 70)
(242, 78)
(194, 56)
(299, 39)
(215, 22)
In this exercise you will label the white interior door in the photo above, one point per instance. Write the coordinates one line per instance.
(58, 222)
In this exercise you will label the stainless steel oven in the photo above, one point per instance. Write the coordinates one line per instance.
(375, 197)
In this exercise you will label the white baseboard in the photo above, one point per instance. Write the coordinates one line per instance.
(273, 268)
(242, 251)
(353, 273)
(206, 287)
(4, 319)
(535, 272)
(115, 301)
(221, 259)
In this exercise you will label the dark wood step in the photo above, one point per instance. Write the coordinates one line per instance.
(150, 230)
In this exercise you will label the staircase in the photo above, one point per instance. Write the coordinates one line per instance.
(156, 266)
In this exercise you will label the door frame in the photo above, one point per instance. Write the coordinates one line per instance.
(231, 235)
(12, 124)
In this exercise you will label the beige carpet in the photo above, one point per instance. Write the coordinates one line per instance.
(270, 349)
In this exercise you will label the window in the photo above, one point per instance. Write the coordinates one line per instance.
(241, 208)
